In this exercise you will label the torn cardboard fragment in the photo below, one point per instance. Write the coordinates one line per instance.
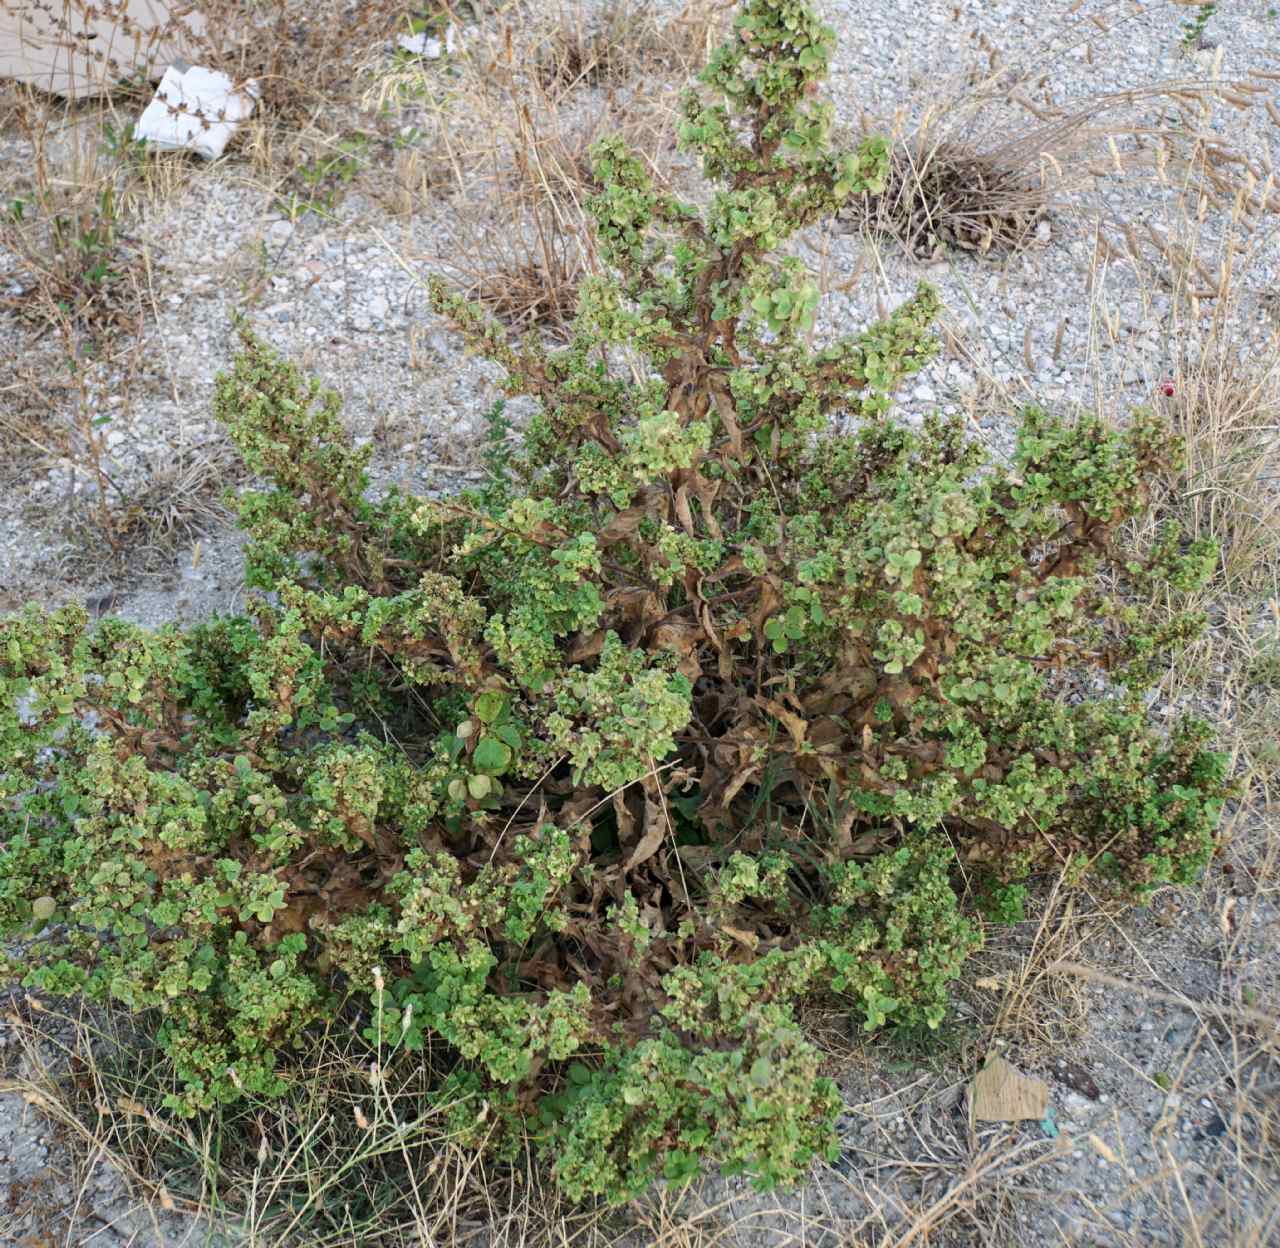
(1002, 1094)
(75, 48)
(195, 110)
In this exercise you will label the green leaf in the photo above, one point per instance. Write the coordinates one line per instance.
(490, 705)
(491, 755)
(509, 734)
(679, 1166)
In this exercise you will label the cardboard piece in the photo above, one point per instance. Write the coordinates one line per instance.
(79, 48)
(1003, 1094)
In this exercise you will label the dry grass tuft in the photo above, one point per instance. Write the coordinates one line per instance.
(621, 40)
(178, 500)
(1221, 394)
(300, 54)
(1019, 998)
(1225, 404)
(531, 289)
(985, 163)
(950, 193)
(356, 1153)
(63, 237)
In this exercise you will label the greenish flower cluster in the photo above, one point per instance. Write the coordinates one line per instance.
(591, 777)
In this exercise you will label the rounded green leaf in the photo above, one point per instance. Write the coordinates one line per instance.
(490, 704)
(491, 755)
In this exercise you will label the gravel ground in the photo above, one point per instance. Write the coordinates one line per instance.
(342, 295)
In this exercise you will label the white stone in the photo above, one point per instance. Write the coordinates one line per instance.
(279, 232)
(378, 307)
(195, 110)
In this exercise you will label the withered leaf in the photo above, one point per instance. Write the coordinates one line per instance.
(748, 939)
(706, 490)
(732, 789)
(684, 513)
(622, 525)
(684, 638)
(766, 604)
(655, 829)
(636, 608)
(795, 724)
(626, 820)
(586, 646)
(729, 419)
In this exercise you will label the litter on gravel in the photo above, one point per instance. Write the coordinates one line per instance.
(195, 110)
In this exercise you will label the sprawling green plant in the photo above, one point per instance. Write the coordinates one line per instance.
(697, 709)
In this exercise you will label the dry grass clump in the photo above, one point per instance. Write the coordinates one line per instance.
(528, 284)
(63, 236)
(354, 1155)
(993, 153)
(1221, 394)
(948, 192)
(177, 498)
(1225, 404)
(1015, 991)
(622, 39)
(300, 54)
